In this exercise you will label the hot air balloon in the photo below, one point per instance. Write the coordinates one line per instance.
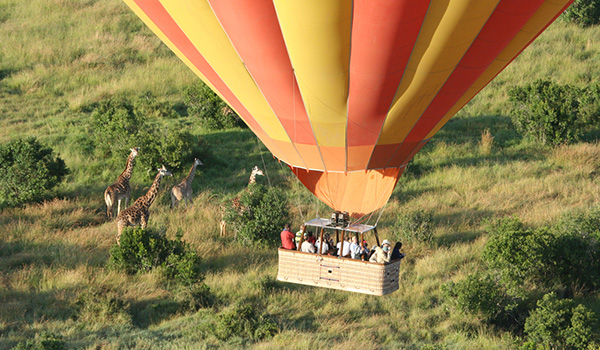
(346, 92)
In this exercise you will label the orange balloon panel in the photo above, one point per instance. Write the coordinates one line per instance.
(347, 91)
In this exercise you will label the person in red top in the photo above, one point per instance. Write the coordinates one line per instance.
(287, 238)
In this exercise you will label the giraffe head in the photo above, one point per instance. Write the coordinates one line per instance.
(197, 161)
(164, 172)
(134, 151)
(257, 171)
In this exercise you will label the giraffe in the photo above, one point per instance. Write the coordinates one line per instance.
(138, 213)
(235, 203)
(120, 190)
(184, 189)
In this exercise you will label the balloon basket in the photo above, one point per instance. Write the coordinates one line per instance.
(338, 273)
(334, 272)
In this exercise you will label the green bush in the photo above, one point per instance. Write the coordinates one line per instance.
(243, 321)
(523, 256)
(577, 251)
(559, 324)
(414, 226)
(142, 250)
(119, 125)
(43, 341)
(264, 212)
(547, 112)
(30, 171)
(584, 13)
(213, 112)
(589, 108)
(484, 295)
(566, 257)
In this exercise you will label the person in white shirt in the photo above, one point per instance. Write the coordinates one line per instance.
(325, 247)
(381, 255)
(355, 248)
(307, 247)
(346, 250)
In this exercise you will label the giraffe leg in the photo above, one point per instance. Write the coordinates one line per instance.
(118, 207)
(109, 203)
(223, 228)
(119, 229)
(173, 200)
(144, 221)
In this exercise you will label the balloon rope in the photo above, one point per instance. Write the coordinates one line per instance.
(381, 212)
(288, 177)
(263, 161)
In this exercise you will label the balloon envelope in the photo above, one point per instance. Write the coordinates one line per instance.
(346, 92)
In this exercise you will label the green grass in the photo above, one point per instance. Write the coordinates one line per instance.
(59, 57)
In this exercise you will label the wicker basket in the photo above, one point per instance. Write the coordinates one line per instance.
(338, 273)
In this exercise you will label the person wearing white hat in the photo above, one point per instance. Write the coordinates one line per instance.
(381, 254)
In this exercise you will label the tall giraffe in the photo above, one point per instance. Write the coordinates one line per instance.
(235, 203)
(138, 213)
(120, 189)
(184, 189)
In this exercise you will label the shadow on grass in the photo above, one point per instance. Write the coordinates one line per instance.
(149, 312)
(20, 254)
(238, 262)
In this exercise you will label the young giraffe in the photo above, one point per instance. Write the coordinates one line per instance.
(120, 190)
(235, 203)
(138, 213)
(184, 189)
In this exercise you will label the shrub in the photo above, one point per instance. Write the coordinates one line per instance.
(194, 297)
(589, 108)
(584, 13)
(242, 321)
(29, 171)
(566, 256)
(213, 112)
(264, 212)
(577, 250)
(144, 249)
(547, 112)
(483, 295)
(43, 341)
(521, 255)
(559, 324)
(119, 125)
(414, 226)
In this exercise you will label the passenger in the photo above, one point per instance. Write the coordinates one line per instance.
(325, 247)
(346, 252)
(306, 246)
(366, 251)
(381, 255)
(310, 237)
(355, 249)
(396, 252)
(287, 238)
(299, 234)
(329, 241)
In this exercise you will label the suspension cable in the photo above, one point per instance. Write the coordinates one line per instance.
(263, 161)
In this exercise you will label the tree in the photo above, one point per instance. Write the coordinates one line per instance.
(560, 324)
(547, 112)
(584, 13)
(213, 112)
(30, 171)
(263, 213)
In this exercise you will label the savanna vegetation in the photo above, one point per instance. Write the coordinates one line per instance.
(500, 227)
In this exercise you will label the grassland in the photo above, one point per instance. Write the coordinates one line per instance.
(59, 57)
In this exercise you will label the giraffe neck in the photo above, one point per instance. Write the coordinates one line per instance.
(252, 179)
(126, 174)
(188, 180)
(152, 192)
